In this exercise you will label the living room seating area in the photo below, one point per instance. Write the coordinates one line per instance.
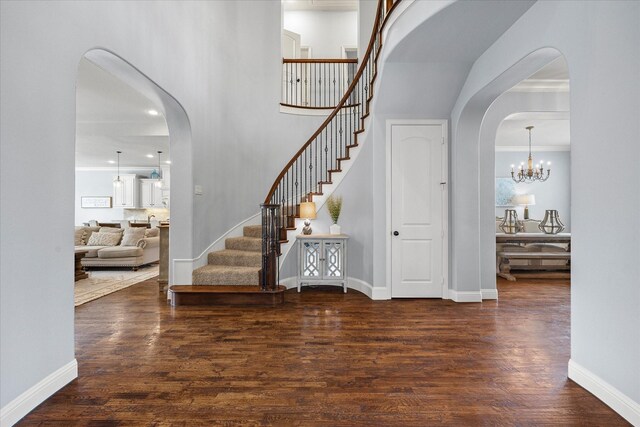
(117, 247)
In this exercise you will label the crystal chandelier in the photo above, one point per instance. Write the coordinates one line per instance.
(531, 173)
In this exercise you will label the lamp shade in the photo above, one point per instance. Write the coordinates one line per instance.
(308, 210)
(525, 199)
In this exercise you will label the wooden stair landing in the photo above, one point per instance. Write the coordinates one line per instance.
(226, 295)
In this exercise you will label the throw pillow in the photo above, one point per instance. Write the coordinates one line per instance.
(152, 232)
(111, 230)
(103, 239)
(130, 240)
(80, 236)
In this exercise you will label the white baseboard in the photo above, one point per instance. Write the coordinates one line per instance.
(611, 396)
(465, 296)
(375, 293)
(489, 293)
(13, 411)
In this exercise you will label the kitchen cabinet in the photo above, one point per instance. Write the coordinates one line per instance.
(126, 195)
(151, 194)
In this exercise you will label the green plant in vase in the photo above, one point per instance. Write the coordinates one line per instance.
(334, 206)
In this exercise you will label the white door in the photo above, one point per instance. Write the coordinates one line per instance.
(417, 241)
(290, 44)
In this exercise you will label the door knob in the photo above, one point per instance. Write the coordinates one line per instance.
(395, 233)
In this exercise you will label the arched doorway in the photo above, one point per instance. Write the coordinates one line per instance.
(179, 132)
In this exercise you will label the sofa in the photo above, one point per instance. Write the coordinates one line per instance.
(117, 247)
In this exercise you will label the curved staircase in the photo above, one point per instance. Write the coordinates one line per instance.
(231, 275)
(238, 264)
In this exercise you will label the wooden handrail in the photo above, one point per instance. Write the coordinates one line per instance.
(319, 61)
(377, 28)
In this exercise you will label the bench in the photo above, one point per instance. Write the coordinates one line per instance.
(561, 271)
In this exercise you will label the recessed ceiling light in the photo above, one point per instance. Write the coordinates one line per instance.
(153, 112)
(113, 162)
(168, 162)
(150, 156)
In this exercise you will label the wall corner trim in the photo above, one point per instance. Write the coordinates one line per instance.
(489, 294)
(465, 296)
(15, 410)
(611, 396)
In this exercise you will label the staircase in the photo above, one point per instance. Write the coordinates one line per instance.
(238, 264)
(246, 271)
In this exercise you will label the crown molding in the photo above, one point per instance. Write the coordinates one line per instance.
(539, 148)
(115, 169)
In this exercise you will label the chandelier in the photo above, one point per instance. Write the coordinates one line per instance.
(531, 173)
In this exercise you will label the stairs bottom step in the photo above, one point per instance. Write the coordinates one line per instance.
(226, 295)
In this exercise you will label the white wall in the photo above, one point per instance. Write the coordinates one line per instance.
(325, 32)
(199, 52)
(600, 43)
(555, 193)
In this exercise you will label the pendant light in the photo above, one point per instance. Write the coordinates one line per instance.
(531, 173)
(158, 183)
(118, 182)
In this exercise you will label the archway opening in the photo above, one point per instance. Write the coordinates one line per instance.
(157, 146)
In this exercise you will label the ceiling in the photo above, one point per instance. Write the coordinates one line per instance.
(551, 129)
(112, 116)
(554, 77)
(460, 32)
(321, 5)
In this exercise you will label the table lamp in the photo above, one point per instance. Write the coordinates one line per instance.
(308, 212)
(526, 200)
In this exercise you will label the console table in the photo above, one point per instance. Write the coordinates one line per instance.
(535, 256)
(322, 259)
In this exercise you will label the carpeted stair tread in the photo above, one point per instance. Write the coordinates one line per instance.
(233, 257)
(244, 244)
(226, 275)
(254, 231)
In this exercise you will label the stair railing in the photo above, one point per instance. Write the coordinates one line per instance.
(321, 156)
(315, 83)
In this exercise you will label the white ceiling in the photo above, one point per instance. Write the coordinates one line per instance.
(554, 77)
(321, 5)
(551, 129)
(113, 116)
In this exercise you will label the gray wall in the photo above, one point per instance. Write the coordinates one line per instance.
(604, 62)
(227, 80)
(555, 193)
(366, 15)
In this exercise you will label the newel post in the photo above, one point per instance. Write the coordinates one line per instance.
(269, 275)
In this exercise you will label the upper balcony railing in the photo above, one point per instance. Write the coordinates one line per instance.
(316, 83)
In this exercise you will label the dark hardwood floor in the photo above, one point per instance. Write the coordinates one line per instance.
(326, 358)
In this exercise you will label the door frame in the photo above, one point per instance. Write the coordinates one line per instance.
(445, 196)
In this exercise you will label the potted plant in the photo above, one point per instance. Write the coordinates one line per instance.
(334, 206)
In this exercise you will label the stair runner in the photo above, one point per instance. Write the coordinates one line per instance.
(238, 264)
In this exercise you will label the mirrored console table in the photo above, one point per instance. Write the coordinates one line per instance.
(322, 259)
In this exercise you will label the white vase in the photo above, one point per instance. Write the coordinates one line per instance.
(334, 229)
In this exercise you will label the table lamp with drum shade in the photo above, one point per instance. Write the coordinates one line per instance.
(526, 200)
(308, 212)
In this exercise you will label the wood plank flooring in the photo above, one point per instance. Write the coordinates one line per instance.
(326, 358)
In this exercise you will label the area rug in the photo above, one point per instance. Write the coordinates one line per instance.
(104, 282)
